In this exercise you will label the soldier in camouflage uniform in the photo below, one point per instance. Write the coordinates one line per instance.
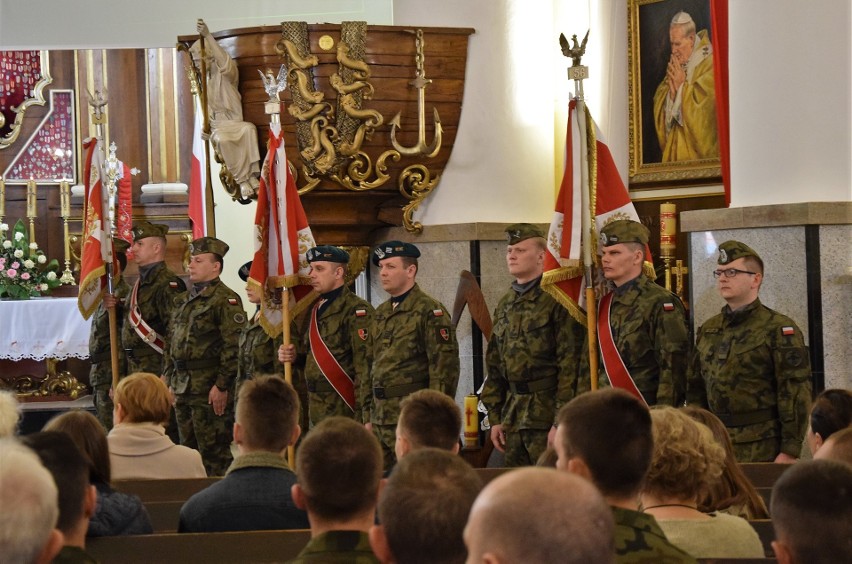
(342, 324)
(100, 375)
(258, 351)
(532, 356)
(413, 343)
(648, 322)
(201, 359)
(750, 366)
(606, 436)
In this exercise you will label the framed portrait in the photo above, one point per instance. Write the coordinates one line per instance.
(673, 131)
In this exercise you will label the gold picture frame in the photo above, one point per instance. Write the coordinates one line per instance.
(656, 152)
(37, 98)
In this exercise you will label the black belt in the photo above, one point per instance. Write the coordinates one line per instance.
(381, 392)
(140, 352)
(100, 357)
(315, 386)
(748, 417)
(195, 364)
(532, 386)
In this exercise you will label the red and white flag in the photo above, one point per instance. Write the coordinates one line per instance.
(124, 206)
(607, 200)
(96, 251)
(198, 178)
(282, 238)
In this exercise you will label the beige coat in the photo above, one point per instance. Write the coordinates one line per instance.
(142, 451)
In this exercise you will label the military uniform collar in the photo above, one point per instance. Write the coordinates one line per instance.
(627, 286)
(148, 271)
(524, 288)
(198, 288)
(400, 298)
(737, 315)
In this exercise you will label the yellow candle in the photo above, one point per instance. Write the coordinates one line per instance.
(2, 196)
(31, 198)
(471, 422)
(668, 229)
(65, 199)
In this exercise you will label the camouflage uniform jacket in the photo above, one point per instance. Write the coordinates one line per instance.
(415, 343)
(534, 340)
(156, 298)
(750, 361)
(205, 332)
(99, 345)
(640, 540)
(338, 547)
(258, 352)
(344, 326)
(649, 330)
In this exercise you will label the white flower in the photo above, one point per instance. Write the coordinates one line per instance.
(28, 263)
(7, 244)
(33, 246)
(51, 276)
(18, 236)
(41, 259)
(43, 287)
(18, 253)
(4, 227)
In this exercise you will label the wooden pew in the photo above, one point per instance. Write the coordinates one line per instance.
(766, 532)
(218, 548)
(164, 490)
(763, 474)
(737, 560)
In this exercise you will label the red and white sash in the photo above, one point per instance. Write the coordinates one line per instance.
(145, 331)
(618, 374)
(328, 365)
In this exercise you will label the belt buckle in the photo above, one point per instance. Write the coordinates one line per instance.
(379, 393)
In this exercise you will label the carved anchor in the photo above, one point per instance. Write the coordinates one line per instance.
(420, 81)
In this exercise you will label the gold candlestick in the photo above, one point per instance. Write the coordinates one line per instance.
(668, 234)
(31, 207)
(64, 199)
(2, 198)
(65, 210)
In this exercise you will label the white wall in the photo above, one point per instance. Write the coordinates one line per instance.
(791, 101)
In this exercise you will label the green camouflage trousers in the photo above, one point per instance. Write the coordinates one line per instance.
(387, 438)
(758, 451)
(103, 405)
(205, 431)
(524, 446)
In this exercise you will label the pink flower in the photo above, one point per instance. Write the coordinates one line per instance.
(16, 264)
(25, 276)
(11, 273)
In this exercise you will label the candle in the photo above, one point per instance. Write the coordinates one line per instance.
(2, 196)
(668, 229)
(31, 198)
(471, 422)
(64, 199)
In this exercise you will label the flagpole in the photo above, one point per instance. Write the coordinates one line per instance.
(205, 126)
(578, 72)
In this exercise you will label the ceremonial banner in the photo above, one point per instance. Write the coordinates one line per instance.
(282, 237)
(96, 250)
(124, 206)
(607, 200)
(197, 178)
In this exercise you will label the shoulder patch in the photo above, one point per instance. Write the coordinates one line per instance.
(438, 312)
(786, 331)
(233, 301)
(360, 312)
(173, 285)
(239, 318)
(362, 333)
(442, 334)
(668, 306)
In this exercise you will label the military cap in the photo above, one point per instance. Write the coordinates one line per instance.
(624, 231)
(518, 232)
(120, 245)
(244, 271)
(729, 251)
(142, 229)
(392, 249)
(208, 245)
(328, 253)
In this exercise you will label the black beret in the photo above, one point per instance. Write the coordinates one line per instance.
(328, 253)
(392, 249)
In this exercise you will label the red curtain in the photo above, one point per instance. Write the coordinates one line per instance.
(719, 16)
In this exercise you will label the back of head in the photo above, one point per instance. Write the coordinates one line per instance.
(831, 412)
(686, 456)
(424, 506)
(429, 418)
(144, 398)
(838, 447)
(90, 438)
(540, 515)
(10, 414)
(610, 430)
(811, 511)
(338, 467)
(70, 471)
(268, 412)
(29, 502)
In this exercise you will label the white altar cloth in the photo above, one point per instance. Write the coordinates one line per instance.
(42, 328)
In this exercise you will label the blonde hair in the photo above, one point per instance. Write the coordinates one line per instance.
(686, 459)
(10, 413)
(144, 398)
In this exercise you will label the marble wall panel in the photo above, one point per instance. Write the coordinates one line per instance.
(836, 281)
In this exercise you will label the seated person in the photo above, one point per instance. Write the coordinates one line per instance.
(423, 508)
(427, 418)
(605, 436)
(831, 412)
(10, 414)
(811, 511)
(733, 493)
(540, 515)
(116, 513)
(77, 497)
(139, 448)
(254, 495)
(339, 469)
(838, 447)
(686, 460)
(29, 499)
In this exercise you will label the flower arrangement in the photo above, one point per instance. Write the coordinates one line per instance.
(25, 271)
